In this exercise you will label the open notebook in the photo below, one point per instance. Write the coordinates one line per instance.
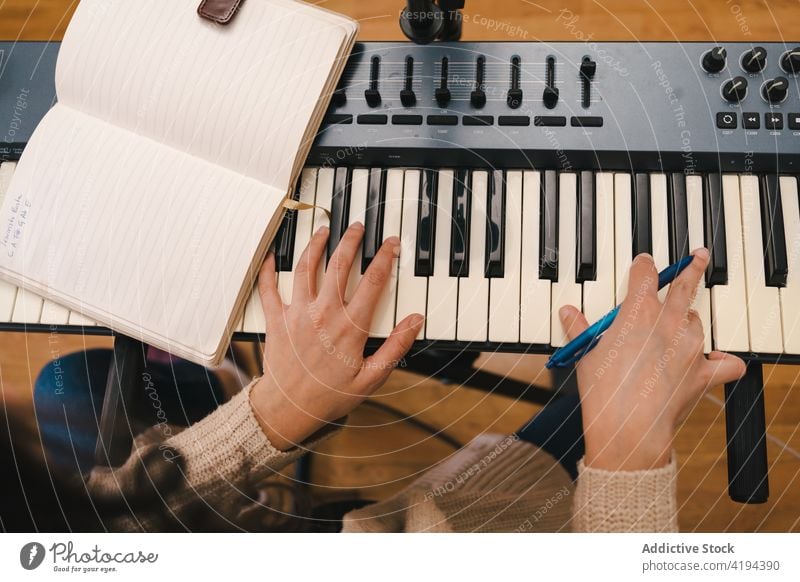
(147, 197)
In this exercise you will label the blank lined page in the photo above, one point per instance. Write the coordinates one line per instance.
(239, 95)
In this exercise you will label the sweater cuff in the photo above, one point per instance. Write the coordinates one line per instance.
(229, 446)
(626, 501)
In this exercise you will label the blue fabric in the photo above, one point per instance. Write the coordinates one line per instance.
(68, 398)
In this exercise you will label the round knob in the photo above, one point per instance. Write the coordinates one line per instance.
(714, 60)
(734, 90)
(775, 90)
(754, 60)
(790, 60)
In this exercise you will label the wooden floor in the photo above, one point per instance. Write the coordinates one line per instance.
(378, 454)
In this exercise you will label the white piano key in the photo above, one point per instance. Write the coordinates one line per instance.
(358, 210)
(566, 291)
(599, 295)
(763, 302)
(54, 314)
(790, 295)
(325, 178)
(384, 319)
(253, 320)
(27, 307)
(694, 211)
(473, 290)
(534, 292)
(442, 288)
(8, 292)
(412, 291)
(729, 302)
(658, 224)
(304, 223)
(81, 320)
(623, 234)
(504, 292)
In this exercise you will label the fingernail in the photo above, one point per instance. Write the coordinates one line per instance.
(643, 257)
(357, 226)
(563, 313)
(417, 320)
(396, 250)
(702, 253)
(322, 230)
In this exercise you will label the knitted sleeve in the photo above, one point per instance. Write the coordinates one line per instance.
(626, 501)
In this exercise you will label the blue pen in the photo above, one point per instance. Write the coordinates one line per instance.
(581, 345)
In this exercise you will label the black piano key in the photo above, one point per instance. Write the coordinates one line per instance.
(677, 217)
(776, 264)
(459, 235)
(714, 222)
(548, 227)
(496, 226)
(340, 207)
(642, 226)
(586, 229)
(284, 242)
(373, 218)
(426, 224)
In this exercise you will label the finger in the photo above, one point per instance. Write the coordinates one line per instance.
(722, 368)
(305, 272)
(643, 279)
(335, 282)
(573, 321)
(682, 290)
(372, 284)
(379, 365)
(271, 301)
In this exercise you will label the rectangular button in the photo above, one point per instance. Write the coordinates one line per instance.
(342, 118)
(773, 120)
(442, 120)
(751, 121)
(514, 120)
(478, 120)
(726, 120)
(550, 121)
(406, 119)
(794, 120)
(587, 121)
(373, 119)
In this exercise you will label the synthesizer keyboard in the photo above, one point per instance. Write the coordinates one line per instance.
(524, 176)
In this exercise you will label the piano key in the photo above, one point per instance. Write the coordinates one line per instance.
(623, 236)
(27, 307)
(566, 291)
(384, 319)
(678, 220)
(426, 224)
(459, 243)
(373, 220)
(54, 314)
(774, 237)
(790, 294)
(696, 231)
(324, 196)
(535, 290)
(599, 294)
(763, 302)
(587, 239)
(302, 233)
(642, 238)
(358, 209)
(504, 290)
(412, 291)
(340, 208)
(495, 225)
(548, 228)
(473, 290)
(8, 292)
(659, 227)
(253, 321)
(284, 239)
(715, 229)
(729, 300)
(442, 306)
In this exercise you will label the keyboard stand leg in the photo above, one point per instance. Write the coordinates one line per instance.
(124, 376)
(745, 426)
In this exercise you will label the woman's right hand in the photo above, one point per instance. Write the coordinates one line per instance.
(647, 370)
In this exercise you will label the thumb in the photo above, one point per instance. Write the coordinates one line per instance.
(376, 369)
(573, 321)
(724, 368)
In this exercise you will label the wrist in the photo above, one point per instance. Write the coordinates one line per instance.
(627, 452)
(281, 421)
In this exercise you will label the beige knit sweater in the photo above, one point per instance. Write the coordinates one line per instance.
(205, 477)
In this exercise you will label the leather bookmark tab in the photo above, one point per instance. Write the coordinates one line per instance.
(219, 11)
